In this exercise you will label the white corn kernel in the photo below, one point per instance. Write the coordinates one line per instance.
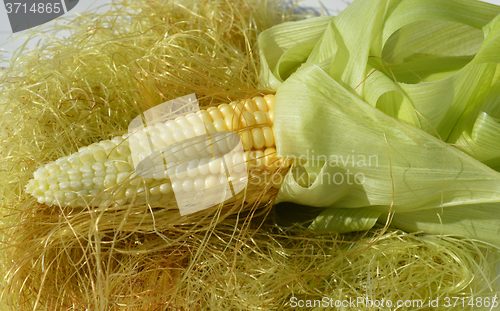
(203, 114)
(109, 180)
(188, 132)
(210, 127)
(182, 122)
(172, 125)
(193, 119)
(215, 166)
(61, 177)
(76, 185)
(70, 196)
(238, 162)
(192, 168)
(198, 184)
(176, 186)
(199, 129)
(130, 192)
(211, 181)
(167, 136)
(41, 173)
(74, 160)
(179, 136)
(166, 188)
(180, 170)
(187, 185)
(203, 166)
(53, 169)
(98, 182)
(88, 184)
(155, 190)
(65, 185)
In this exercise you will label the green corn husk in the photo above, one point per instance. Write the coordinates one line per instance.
(402, 98)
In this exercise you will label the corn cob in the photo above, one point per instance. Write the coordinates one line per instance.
(103, 172)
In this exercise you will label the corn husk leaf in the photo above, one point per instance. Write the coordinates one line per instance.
(471, 221)
(419, 41)
(274, 42)
(478, 131)
(409, 168)
(356, 154)
(380, 143)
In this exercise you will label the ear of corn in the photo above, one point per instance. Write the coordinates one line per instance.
(104, 173)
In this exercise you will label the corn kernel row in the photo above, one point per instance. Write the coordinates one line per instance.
(104, 172)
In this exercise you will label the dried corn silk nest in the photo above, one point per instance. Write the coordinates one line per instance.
(109, 204)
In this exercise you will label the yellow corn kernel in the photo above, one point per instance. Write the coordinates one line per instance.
(246, 140)
(214, 113)
(269, 98)
(225, 110)
(258, 138)
(250, 106)
(268, 136)
(247, 119)
(261, 103)
(232, 122)
(220, 125)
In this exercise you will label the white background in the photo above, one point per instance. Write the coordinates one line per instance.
(10, 42)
